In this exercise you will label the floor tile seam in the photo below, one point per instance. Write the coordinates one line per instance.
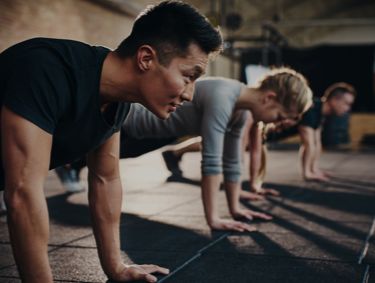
(367, 242)
(57, 247)
(197, 255)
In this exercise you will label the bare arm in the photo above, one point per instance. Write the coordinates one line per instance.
(26, 153)
(255, 142)
(318, 150)
(256, 163)
(310, 152)
(210, 188)
(105, 199)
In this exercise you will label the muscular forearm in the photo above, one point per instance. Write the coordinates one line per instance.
(105, 200)
(28, 229)
(210, 188)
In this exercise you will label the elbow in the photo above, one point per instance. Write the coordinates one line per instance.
(16, 196)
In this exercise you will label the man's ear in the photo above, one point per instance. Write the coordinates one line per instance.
(146, 57)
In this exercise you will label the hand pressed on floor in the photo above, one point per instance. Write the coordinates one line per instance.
(231, 225)
(250, 215)
(139, 272)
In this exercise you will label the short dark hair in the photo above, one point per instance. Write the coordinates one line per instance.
(170, 27)
(338, 89)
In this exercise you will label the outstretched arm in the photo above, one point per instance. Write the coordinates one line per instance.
(257, 163)
(210, 189)
(316, 167)
(255, 150)
(26, 154)
(310, 152)
(105, 199)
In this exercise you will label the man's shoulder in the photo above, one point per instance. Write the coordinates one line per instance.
(40, 48)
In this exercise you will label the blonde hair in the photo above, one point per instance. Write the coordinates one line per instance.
(291, 88)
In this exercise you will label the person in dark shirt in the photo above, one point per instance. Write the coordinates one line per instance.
(337, 100)
(62, 99)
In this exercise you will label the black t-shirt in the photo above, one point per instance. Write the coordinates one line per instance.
(313, 117)
(54, 84)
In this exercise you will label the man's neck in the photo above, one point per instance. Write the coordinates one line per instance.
(118, 80)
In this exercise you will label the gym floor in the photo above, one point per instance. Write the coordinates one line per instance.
(321, 232)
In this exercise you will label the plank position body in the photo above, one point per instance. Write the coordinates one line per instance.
(336, 100)
(62, 99)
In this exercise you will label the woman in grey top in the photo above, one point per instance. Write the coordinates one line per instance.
(218, 113)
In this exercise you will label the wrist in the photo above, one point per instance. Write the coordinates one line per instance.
(114, 270)
(212, 220)
(112, 264)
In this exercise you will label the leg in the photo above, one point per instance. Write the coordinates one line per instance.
(172, 158)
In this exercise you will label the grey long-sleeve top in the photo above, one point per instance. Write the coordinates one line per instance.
(210, 115)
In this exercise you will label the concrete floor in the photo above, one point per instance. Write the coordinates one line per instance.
(321, 232)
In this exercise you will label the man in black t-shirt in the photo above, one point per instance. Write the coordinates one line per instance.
(337, 100)
(63, 99)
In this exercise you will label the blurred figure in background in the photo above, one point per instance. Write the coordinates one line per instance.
(337, 100)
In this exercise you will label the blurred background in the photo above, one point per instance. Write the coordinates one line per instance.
(326, 40)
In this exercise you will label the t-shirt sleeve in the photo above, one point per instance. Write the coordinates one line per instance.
(38, 93)
(307, 118)
(232, 148)
(312, 117)
(216, 114)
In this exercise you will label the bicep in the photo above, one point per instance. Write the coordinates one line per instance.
(104, 160)
(26, 150)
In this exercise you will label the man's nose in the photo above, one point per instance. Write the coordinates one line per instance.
(189, 92)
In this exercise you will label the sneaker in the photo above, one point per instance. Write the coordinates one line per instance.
(69, 179)
(172, 162)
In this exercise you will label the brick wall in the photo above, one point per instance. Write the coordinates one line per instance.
(74, 19)
(81, 20)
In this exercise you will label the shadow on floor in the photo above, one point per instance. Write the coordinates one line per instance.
(147, 241)
(354, 201)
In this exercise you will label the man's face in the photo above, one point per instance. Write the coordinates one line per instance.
(341, 104)
(166, 87)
